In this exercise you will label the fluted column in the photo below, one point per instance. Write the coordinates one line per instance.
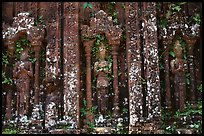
(115, 79)
(167, 43)
(37, 43)
(88, 48)
(190, 47)
(36, 36)
(114, 36)
(115, 42)
(10, 44)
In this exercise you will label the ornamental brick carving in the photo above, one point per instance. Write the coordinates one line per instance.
(103, 24)
(22, 74)
(178, 68)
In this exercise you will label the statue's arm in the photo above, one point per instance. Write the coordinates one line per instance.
(172, 66)
(15, 71)
(30, 72)
(95, 68)
(185, 66)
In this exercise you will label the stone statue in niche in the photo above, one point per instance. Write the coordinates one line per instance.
(22, 74)
(52, 102)
(101, 71)
(178, 68)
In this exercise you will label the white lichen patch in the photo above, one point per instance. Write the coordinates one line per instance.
(21, 22)
(152, 67)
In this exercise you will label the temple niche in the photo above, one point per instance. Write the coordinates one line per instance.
(101, 68)
(179, 68)
(23, 74)
(22, 38)
(105, 37)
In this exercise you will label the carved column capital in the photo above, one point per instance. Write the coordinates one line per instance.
(36, 35)
(191, 43)
(10, 44)
(114, 41)
(115, 49)
(114, 37)
(88, 46)
(167, 41)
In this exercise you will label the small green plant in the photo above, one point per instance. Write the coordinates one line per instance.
(197, 18)
(83, 110)
(93, 109)
(200, 88)
(172, 53)
(40, 20)
(125, 111)
(188, 81)
(5, 79)
(20, 45)
(87, 5)
(9, 131)
(174, 8)
(170, 129)
(32, 60)
(5, 59)
(123, 5)
(177, 6)
(189, 111)
(114, 15)
(158, 5)
(43, 55)
(165, 119)
(198, 126)
(163, 22)
(143, 81)
(91, 125)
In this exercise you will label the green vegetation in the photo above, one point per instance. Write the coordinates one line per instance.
(6, 79)
(113, 12)
(9, 131)
(123, 5)
(40, 20)
(163, 22)
(87, 5)
(176, 7)
(188, 113)
(5, 59)
(197, 18)
(20, 45)
(199, 87)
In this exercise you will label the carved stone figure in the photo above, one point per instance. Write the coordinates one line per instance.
(51, 116)
(178, 68)
(52, 102)
(22, 74)
(101, 71)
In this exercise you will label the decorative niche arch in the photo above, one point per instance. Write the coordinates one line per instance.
(101, 24)
(23, 26)
(189, 32)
